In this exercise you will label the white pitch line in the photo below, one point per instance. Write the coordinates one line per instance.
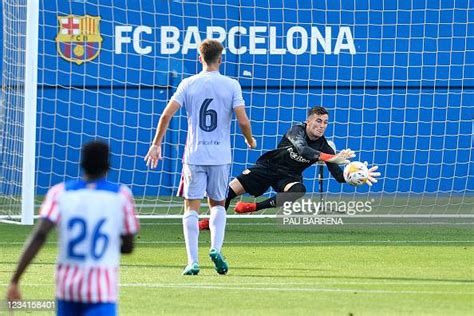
(279, 224)
(295, 242)
(268, 216)
(266, 289)
(286, 289)
(321, 242)
(343, 216)
(325, 281)
(256, 224)
(375, 283)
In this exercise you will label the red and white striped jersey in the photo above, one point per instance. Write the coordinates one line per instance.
(90, 217)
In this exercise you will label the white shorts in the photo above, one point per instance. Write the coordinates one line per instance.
(197, 180)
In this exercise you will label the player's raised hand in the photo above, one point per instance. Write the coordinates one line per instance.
(153, 155)
(340, 158)
(253, 144)
(372, 178)
(13, 293)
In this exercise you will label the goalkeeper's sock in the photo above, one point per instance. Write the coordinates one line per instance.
(230, 196)
(268, 203)
(217, 224)
(191, 235)
(296, 191)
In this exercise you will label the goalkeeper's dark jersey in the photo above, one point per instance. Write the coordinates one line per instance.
(296, 152)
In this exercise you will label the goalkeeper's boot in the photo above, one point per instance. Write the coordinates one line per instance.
(245, 207)
(191, 269)
(219, 262)
(204, 224)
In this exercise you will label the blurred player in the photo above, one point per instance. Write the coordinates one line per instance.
(96, 222)
(209, 99)
(303, 145)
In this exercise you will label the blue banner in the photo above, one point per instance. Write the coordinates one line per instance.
(396, 77)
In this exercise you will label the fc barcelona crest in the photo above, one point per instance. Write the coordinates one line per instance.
(79, 38)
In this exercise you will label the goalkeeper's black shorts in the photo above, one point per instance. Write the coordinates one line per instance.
(257, 179)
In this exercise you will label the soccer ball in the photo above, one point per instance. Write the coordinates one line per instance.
(356, 173)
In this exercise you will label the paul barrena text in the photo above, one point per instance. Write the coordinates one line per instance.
(312, 220)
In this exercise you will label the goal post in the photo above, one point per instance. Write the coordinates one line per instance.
(29, 134)
(396, 77)
(19, 110)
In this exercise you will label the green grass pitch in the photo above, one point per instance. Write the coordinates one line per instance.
(375, 268)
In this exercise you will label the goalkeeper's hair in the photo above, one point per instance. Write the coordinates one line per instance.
(210, 50)
(95, 158)
(319, 110)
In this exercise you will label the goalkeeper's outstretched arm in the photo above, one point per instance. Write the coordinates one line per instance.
(296, 135)
(336, 172)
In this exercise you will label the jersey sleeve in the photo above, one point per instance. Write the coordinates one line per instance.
(329, 150)
(180, 93)
(130, 221)
(237, 98)
(336, 172)
(296, 135)
(49, 208)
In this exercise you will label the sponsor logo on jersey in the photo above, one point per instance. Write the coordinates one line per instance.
(79, 38)
(296, 156)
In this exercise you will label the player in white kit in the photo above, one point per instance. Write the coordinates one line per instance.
(210, 99)
(96, 222)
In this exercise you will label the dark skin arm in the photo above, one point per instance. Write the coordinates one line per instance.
(127, 244)
(33, 246)
(31, 249)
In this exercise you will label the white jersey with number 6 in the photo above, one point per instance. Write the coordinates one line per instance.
(209, 99)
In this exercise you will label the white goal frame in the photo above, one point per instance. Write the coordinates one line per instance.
(30, 86)
(27, 161)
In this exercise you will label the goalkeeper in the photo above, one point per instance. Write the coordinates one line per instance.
(303, 145)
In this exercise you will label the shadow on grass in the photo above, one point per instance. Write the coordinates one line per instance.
(180, 266)
(273, 275)
(352, 278)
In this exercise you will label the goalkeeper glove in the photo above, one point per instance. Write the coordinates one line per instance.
(341, 158)
(372, 175)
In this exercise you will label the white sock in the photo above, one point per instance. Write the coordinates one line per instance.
(191, 235)
(217, 227)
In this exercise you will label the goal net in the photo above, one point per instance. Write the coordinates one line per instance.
(18, 110)
(396, 77)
